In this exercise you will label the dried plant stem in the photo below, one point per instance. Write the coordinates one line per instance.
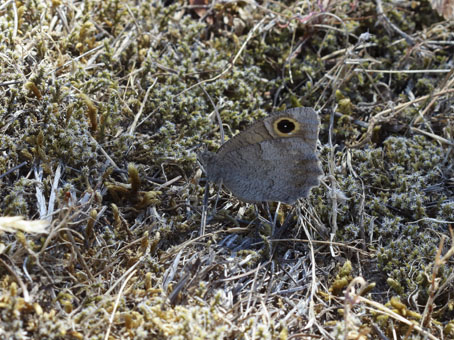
(75, 248)
(133, 126)
(117, 300)
(400, 71)
(17, 277)
(334, 186)
(311, 312)
(218, 116)
(383, 115)
(434, 282)
(445, 85)
(379, 308)
(382, 15)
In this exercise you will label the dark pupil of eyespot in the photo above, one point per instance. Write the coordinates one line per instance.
(285, 126)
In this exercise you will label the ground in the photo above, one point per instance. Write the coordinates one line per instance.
(104, 106)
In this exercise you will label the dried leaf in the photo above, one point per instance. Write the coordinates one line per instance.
(13, 224)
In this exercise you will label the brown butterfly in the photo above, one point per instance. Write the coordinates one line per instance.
(273, 160)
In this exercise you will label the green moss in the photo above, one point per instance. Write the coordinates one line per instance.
(112, 83)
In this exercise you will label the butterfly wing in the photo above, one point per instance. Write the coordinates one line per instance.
(273, 160)
(281, 170)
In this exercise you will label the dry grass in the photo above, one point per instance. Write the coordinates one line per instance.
(103, 106)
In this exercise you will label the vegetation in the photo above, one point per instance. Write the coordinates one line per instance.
(103, 107)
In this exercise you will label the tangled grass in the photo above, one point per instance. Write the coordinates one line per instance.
(103, 105)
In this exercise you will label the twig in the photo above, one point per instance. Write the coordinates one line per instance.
(445, 84)
(11, 82)
(347, 50)
(311, 313)
(75, 59)
(381, 116)
(18, 279)
(382, 15)
(142, 106)
(332, 179)
(79, 255)
(434, 282)
(218, 116)
(400, 71)
(130, 271)
(13, 169)
(203, 219)
(117, 301)
(386, 311)
(432, 135)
